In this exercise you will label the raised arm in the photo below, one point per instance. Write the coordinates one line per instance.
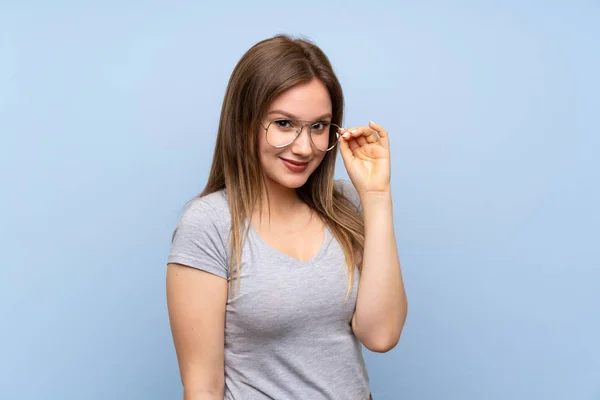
(381, 306)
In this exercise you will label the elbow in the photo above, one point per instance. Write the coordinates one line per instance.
(203, 394)
(382, 339)
(382, 344)
(204, 390)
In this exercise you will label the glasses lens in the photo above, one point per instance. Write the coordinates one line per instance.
(282, 132)
(324, 135)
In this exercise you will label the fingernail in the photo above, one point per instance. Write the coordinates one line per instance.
(353, 131)
(371, 122)
(345, 135)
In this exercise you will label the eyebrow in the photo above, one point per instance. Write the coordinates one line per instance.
(291, 116)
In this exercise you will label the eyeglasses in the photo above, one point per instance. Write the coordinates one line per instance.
(283, 132)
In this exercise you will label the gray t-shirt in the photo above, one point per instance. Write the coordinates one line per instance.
(288, 331)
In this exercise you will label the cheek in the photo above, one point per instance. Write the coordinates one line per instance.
(266, 153)
(319, 156)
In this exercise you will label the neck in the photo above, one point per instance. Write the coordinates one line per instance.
(282, 200)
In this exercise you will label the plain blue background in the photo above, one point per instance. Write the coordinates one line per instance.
(108, 114)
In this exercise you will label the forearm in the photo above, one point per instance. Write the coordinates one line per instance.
(381, 306)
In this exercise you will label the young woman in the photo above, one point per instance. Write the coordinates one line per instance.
(277, 273)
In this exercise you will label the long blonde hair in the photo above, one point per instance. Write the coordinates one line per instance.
(265, 71)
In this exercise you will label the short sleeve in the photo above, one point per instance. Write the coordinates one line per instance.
(199, 240)
(350, 192)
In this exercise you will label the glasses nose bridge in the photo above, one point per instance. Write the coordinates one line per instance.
(301, 128)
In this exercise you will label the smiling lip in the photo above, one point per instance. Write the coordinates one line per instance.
(294, 166)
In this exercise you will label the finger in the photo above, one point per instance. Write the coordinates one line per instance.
(352, 144)
(363, 131)
(362, 141)
(372, 138)
(381, 132)
(346, 151)
(368, 136)
(349, 140)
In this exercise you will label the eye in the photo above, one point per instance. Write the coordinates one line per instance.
(283, 123)
(318, 127)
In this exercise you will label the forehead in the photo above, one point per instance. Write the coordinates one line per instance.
(304, 101)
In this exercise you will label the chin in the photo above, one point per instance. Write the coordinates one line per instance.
(292, 182)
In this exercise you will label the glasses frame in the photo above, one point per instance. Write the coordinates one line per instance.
(308, 125)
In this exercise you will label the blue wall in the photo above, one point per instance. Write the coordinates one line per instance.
(108, 115)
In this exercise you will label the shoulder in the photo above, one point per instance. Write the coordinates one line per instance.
(207, 211)
(200, 237)
(214, 203)
(347, 190)
(217, 201)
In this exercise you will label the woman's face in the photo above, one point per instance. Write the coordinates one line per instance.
(291, 166)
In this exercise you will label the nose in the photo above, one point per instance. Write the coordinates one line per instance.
(302, 146)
